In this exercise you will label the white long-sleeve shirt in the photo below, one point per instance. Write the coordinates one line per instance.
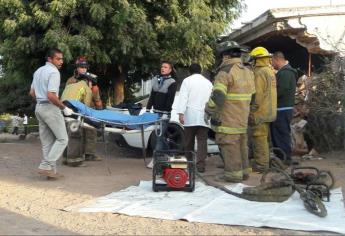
(194, 93)
(25, 120)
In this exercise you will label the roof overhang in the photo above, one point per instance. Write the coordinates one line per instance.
(321, 30)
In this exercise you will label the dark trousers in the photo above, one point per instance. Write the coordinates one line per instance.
(89, 141)
(26, 130)
(200, 132)
(15, 130)
(281, 132)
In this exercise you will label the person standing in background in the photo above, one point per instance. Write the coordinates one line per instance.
(286, 88)
(195, 91)
(25, 123)
(161, 99)
(16, 119)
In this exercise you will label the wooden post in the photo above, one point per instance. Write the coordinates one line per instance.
(309, 65)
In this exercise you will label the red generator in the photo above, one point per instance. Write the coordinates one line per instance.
(173, 171)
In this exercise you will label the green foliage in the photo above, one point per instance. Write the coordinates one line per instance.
(32, 125)
(5, 116)
(5, 121)
(15, 96)
(133, 34)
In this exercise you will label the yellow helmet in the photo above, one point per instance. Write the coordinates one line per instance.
(259, 52)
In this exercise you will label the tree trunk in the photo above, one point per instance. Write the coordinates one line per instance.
(119, 85)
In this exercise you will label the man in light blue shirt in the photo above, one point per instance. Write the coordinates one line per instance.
(52, 128)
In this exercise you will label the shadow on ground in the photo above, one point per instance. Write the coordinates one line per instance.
(26, 226)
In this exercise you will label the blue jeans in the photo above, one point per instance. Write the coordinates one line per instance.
(161, 143)
(281, 132)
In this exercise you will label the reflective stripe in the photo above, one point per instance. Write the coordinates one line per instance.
(81, 92)
(284, 108)
(221, 87)
(247, 171)
(229, 130)
(211, 103)
(239, 96)
(234, 174)
(160, 111)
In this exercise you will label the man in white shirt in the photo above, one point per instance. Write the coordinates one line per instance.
(25, 123)
(194, 93)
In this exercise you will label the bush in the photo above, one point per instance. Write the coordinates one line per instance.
(326, 103)
(32, 125)
(5, 122)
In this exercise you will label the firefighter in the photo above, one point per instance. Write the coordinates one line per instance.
(83, 145)
(263, 107)
(228, 108)
(81, 68)
(81, 91)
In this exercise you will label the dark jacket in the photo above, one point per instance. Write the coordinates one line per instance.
(286, 86)
(162, 94)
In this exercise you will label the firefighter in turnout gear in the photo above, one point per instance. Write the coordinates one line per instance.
(81, 68)
(228, 108)
(263, 108)
(82, 145)
(78, 91)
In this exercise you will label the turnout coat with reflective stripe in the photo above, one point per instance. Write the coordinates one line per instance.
(236, 83)
(264, 106)
(78, 91)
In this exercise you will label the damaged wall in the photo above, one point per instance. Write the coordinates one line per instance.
(298, 32)
(321, 34)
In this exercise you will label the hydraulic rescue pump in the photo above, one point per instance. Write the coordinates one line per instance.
(173, 171)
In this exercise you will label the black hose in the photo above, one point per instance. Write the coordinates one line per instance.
(220, 187)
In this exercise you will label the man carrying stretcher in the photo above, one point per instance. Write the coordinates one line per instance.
(82, 144)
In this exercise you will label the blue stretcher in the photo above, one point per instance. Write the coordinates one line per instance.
(108, 117)
(113, 117)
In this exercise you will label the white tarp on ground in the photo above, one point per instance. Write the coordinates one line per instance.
(210, 205)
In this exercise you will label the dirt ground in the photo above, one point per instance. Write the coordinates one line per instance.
(31, 204)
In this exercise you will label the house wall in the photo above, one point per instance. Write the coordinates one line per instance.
(328, 30)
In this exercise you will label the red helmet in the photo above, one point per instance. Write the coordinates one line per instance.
(81, 62)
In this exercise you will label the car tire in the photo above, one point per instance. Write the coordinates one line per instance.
(174, 137)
